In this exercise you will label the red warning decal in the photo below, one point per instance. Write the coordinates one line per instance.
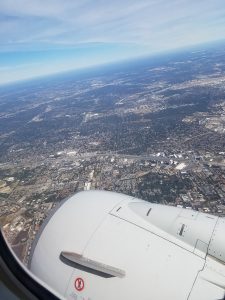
(79, 284)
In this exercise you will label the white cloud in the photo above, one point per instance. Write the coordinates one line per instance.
(146, 25)
(71, 22)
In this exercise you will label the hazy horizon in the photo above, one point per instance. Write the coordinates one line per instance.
(118, 64)
(44, 38)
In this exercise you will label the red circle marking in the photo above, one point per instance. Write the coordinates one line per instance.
(79, 284)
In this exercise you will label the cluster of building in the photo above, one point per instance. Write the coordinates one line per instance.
(156, 133)
(182, 179)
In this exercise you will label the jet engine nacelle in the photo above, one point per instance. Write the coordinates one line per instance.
(100, 245)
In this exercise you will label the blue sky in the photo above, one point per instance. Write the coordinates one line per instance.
(39, 37)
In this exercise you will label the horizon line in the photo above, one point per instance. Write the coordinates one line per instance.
(114, 63)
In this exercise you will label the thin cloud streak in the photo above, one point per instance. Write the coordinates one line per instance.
(149, 25)
(55, 20)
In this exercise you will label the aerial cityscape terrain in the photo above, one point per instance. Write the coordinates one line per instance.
(153, 128)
